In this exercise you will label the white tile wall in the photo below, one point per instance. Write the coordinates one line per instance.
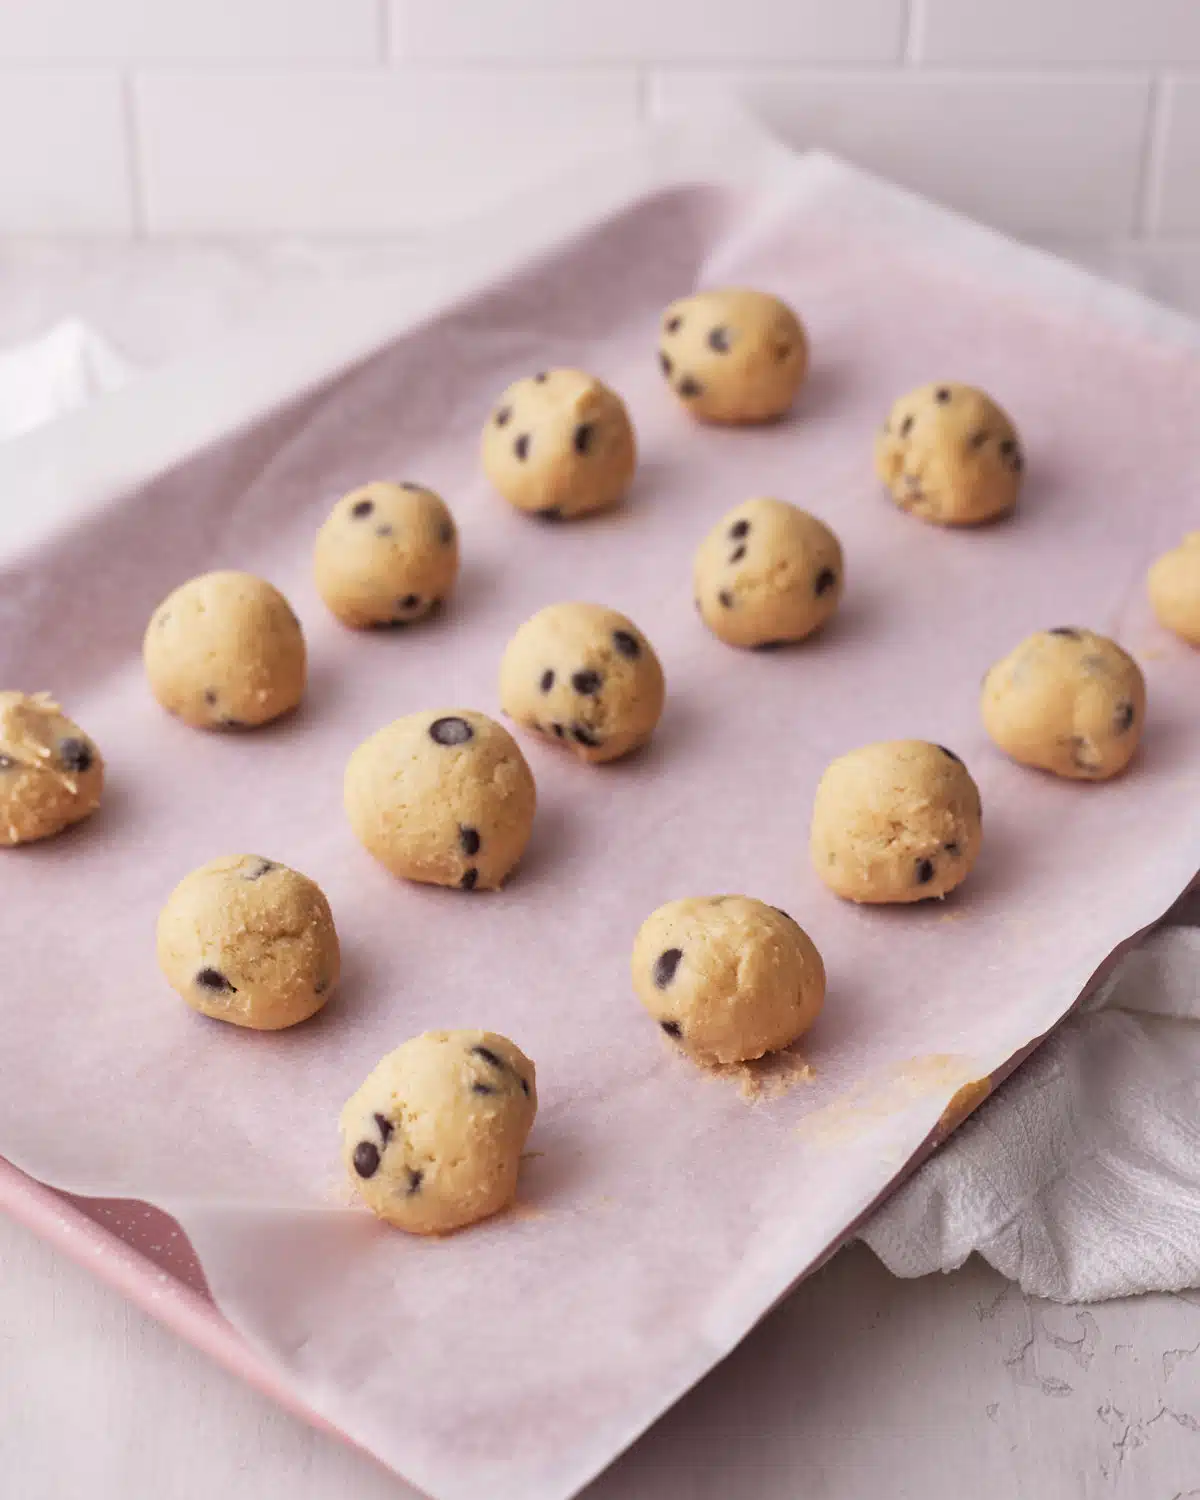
(1075, 117)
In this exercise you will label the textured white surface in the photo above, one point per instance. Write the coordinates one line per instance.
(63, 164)
(857, 1386)
(1058, 31)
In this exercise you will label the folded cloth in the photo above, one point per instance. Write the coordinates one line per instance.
(1080, 1178)
(66, 367)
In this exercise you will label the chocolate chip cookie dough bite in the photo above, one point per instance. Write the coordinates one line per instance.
(896, 821)
(51, 773)
(948, 454)
(559, 444)
(387, 555)
(433, 1138)
(727, 977)
(443, 797)
(225, 651)
(586, 677)
(249, 941)
(1066, 701)
(767, 574)
(1173, 584)
(733, 354)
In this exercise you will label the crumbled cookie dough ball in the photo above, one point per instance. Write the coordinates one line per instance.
(433, 1138)
(895, 822)
(445, 798)
(1174, 587)
(768, 573)
(247, 940)
(225, 651)
(387, 555)
(1067, 701)
(585, 676)
(727, 977)
(559, 444)
(949, 454)
(733, 355)
(51, 773)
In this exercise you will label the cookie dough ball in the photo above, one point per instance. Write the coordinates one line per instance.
(949, 454)
(896, 821)
(246, 940)
(728, 977)
(559, 444)
(1067, 701)
(767, 573)
(587, 677)
(446, 798)
(433, 1138)
(387, 555)
(51, 774)
(733, 355)
(1174, 586)
(225, 651)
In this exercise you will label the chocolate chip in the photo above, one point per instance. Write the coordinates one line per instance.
(1123, 719)
(1008, 448)
(488, 1056)
(583, 437)
(468, 882)
(786, 914)
(451, 731)
(75, 754)
(483, 1088)
(665, 965)
(584, 736)
(906, 426)
(951, 754)
(559, 731)
(664, 362)
(718, 340)
(737, 554)
(234, 724)
(825, 580)
(942, 394)
(540, 378)
(674, 324)
(951, 848)
(407, 484)
(385, 1128)
(549, 513)
(627, 644)
(688, 387)
(586, 682)
(320, 987)
(1017, 463)
(977, 439)
(210, 697)
(547, 681)
(726, 598)
(1066, 630)
(468, 839)
(213, 979)
(446, 533)
(503, 416)
(362, 508)
(739, 529)
(261, 868)
(415, 1178)
(366, 1158)
(924, 871)
(383, 530)
(769, 645)
(672, 1028)
(521, 446)
(782, 351)
(410, 601)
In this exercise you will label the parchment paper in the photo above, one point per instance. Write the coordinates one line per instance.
(663, 1212)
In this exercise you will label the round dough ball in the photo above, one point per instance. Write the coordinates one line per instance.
(433, 1138)
(896, 821)
(767, 573)
(949, 454)
(586, 676)
(246, 940)
(387, 555)
(225, 651)
(1174, 587)
(560, 444)
(51, 774)
(728, 977)
(1067, 701)
(733, 355)
(445, 797)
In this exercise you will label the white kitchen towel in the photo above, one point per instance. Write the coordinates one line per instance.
(66, 367)
(1080, 1178)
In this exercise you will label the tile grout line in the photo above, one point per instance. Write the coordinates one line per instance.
(1153, 155)
(912, 30)
(383, 31)
(133, 158)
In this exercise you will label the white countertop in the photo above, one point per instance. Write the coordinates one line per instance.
(859, 1387)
